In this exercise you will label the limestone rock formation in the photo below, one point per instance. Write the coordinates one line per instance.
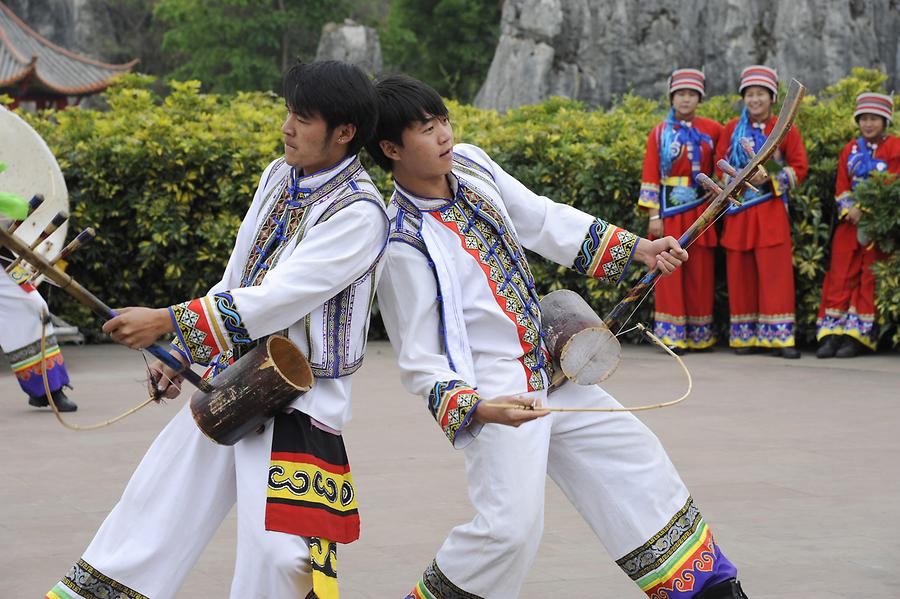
(592, 50)
(351, 42)
(67, 23)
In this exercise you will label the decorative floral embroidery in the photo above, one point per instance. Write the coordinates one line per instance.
(487, 237)
(89, 582)
(435, 585)
(605, 252)
(679, 559)
(452, 403)
(840, 322)
(762, 330)
(649, 197)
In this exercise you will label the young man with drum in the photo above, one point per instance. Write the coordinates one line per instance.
(306, 260)
(459, 302)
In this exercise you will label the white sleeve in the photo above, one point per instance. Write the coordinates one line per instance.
(332, 255)
(560, 232)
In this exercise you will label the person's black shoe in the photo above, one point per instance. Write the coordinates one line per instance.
(849, 348)
(745, 351)
(788, 353)
(678, 351)
(702, 350)
(729, 589)
(63, 403)
(829, 346)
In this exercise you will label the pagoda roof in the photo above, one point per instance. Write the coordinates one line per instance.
(29, 60)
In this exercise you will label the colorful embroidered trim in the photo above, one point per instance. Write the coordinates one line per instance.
(762, 330)
(472, 169)
(784, 181)
(649, 197)
(323, 559)
(452, 403)
(839, 322)
(435, 585)
(90, 583)
(336, 333)
(605, 252)
(844, 203)
(679, 560)
(26, 365)
(310, 489)
(694, 332)
(486, 236)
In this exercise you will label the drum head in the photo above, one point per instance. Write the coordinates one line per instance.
(32, 169)
(591, 355)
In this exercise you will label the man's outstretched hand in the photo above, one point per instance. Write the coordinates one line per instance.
(139, 327)
(665, 254)
(486, 411)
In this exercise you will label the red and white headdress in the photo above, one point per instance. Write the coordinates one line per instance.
(877, 104)
(692, 79)
(759, 75)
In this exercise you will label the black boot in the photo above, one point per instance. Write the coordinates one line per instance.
(63, 403)
(828, 346)
(849, 348)
(789, 353)
(730, 589)
(745, 351)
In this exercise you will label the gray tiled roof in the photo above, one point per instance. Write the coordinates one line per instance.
(45, 67)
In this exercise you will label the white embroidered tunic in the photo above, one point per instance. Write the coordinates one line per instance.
(458, 296)
(305, 262)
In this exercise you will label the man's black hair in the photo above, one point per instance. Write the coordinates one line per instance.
(338, 92)
(402, 102)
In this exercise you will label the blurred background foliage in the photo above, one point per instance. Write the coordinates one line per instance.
(245, 45)
(165, 179)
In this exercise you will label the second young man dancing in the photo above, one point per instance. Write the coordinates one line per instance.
(460, 306)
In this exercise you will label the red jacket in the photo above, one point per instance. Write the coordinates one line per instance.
(765, 224)
(887, 151)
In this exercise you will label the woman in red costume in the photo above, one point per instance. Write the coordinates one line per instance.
(679, 149)
(846, 322)
(757, 235)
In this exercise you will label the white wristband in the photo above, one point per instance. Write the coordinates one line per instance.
(654, 217)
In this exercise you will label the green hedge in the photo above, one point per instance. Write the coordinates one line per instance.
(165, 181)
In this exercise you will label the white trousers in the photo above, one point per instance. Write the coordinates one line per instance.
(175, 501)
(610, 466)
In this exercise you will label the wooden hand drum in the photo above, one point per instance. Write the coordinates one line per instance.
(252, 390)
(583, 348)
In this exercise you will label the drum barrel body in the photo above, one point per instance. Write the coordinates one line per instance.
(583, 348)
(253, 389)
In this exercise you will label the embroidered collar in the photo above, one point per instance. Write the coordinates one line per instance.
(411, 202)
(307, 189)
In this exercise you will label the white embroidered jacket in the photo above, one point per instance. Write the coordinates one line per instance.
(458, 297)
(306, 260)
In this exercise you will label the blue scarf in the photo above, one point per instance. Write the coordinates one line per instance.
(862, 162)
(737, 157)
(675, 132)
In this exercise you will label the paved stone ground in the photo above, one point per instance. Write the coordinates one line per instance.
(793, 463)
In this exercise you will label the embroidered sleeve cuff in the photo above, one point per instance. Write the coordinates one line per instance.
(452, 403)
(605, 252)
(649, 197)
(784, 181)
(844, 203)
(207, 326)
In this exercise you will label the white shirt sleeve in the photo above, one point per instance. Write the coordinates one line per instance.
(557, 231)
(330, 257)
(408, 301)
